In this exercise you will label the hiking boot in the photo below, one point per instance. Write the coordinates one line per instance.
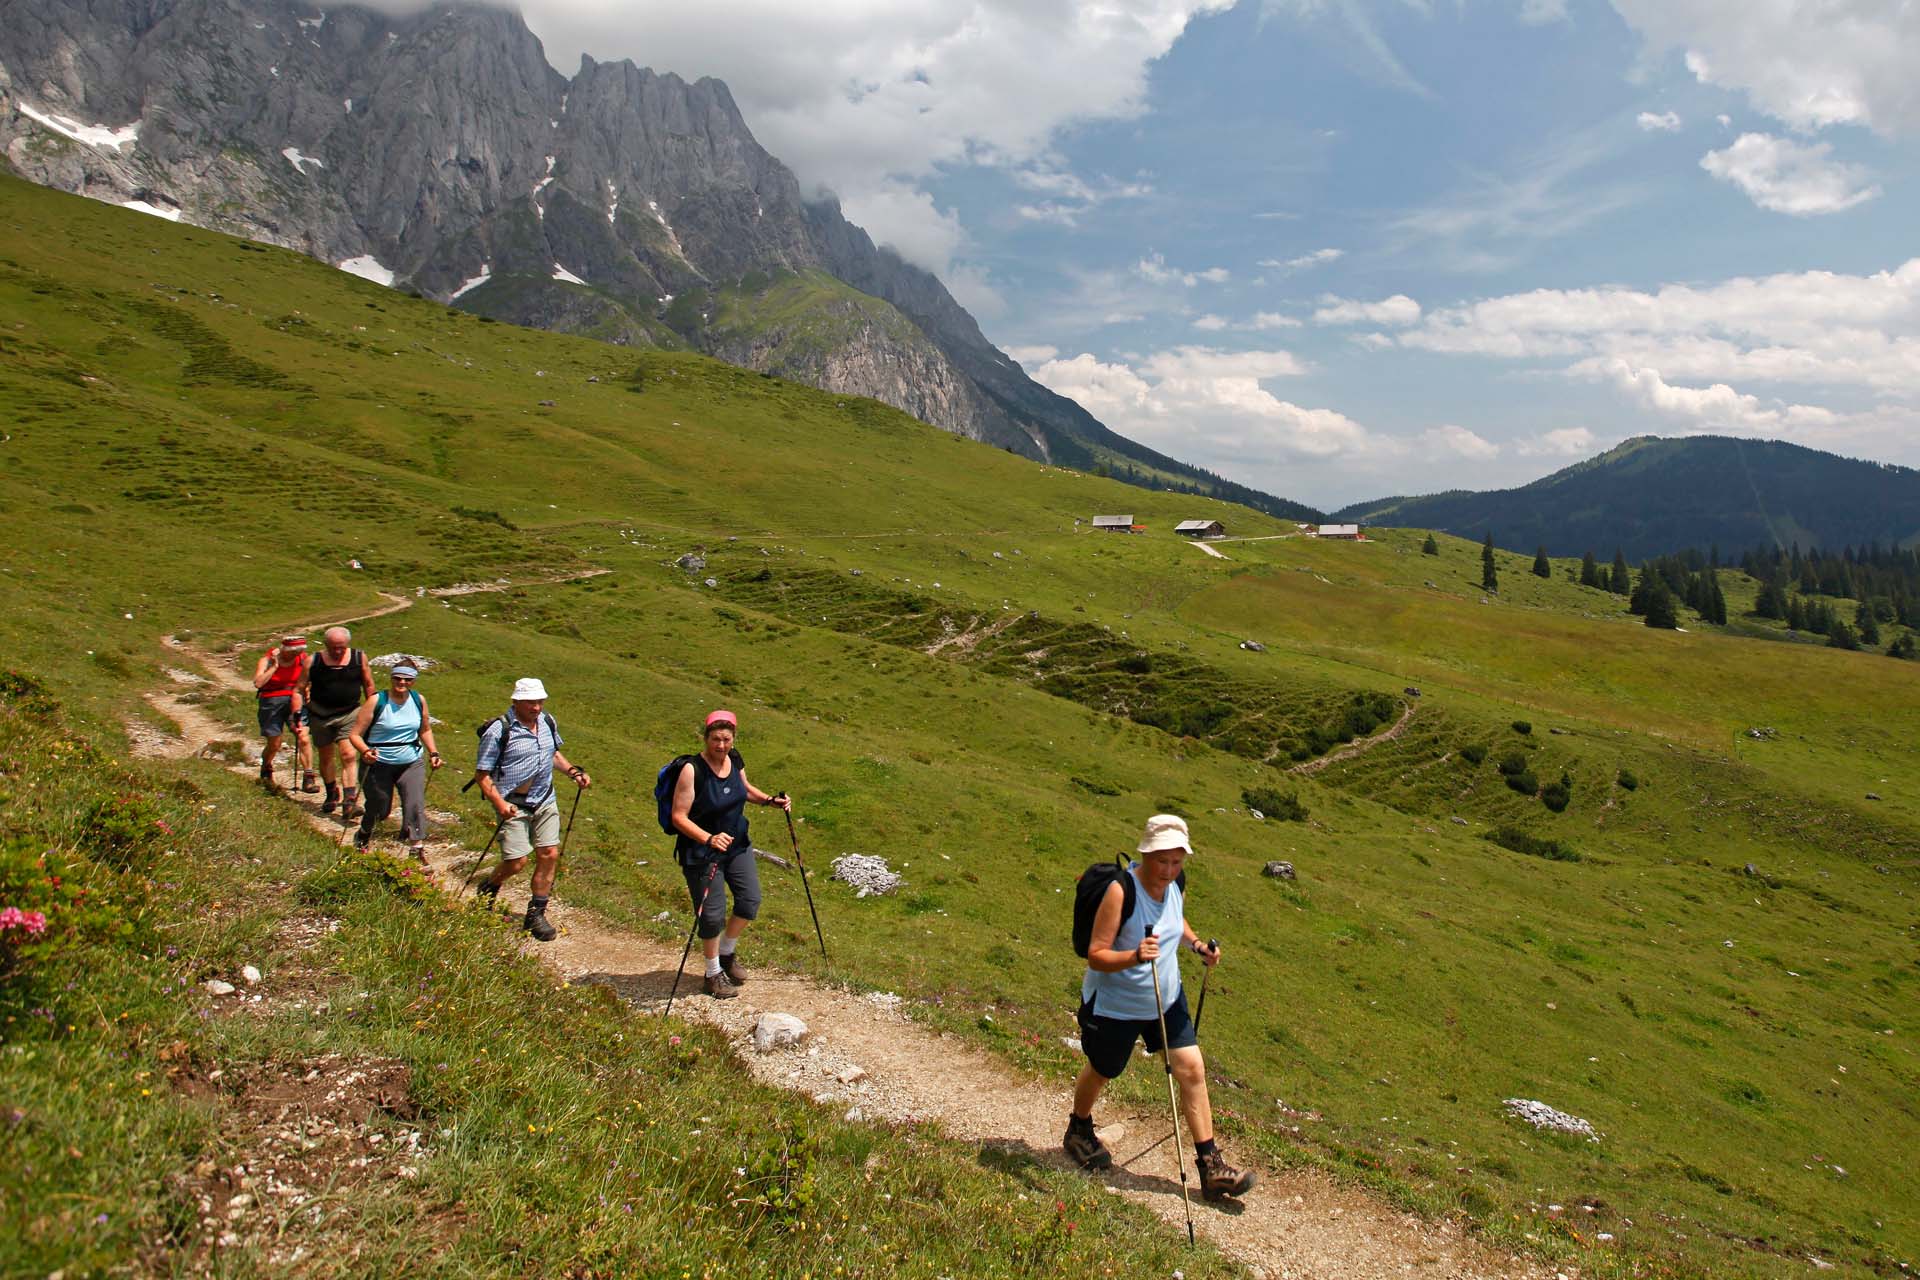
(721, 987)
(1218, 1179)
(537, 925)
(1083, 1145)
(351, 807)
(310, 783)
(361, 840)
(730, 965)
(266, 771)
(419, 852)
(486, 895)
(332, 801)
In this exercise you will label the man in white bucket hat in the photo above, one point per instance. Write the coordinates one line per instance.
(1132, 992)
(518, 755)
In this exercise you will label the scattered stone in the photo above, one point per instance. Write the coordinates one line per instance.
(395, 659)
(351, 564)
(1412, 691)
(1458, 821)
(777, 1031)
(215, 986)
(1763, 733)
(713, 582)
(664, 915)
(1542, 1116)
(250, 974)
(1253, 646)
(1750, 870)
(1873, 795)
(692, 562)
(1072, 1042)
(851, 1074)
(1256, 815)
(867, 873)
(884, 1000)
(546, 404)
(1279, 871)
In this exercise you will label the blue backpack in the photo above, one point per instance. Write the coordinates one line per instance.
(668, 778)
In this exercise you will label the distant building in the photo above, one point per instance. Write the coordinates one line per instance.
(1114, 524)
(1200, 529)
(1351, 532)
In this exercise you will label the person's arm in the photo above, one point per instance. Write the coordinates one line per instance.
(263, 669)
(572, 770)
(1191, 939)
(1106, 926)
(304, 689)
(757, 796)
(366, 678)
(682, 815)
(426, 736)
(358, 738)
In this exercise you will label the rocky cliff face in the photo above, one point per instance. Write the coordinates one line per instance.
(441, 152)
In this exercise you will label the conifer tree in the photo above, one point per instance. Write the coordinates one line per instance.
(1866, 624)
(1840, 636)
(1621, 583)
(1589, 571)
(1718, 614)
(1541, 567)
(1429, 547)
(1489, 575)
(1903, 647)
(1660, 608)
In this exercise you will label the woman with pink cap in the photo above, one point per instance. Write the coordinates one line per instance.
(709, 812)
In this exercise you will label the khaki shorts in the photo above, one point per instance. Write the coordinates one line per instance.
(328, 730)
(524, 832)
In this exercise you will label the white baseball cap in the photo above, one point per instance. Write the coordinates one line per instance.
(528, 689)
(1164, 831)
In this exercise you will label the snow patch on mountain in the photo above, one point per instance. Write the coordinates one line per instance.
(473, 282)
(299, 160)
(93, 135)
(158, 211)
(367, 267)
(561, 273)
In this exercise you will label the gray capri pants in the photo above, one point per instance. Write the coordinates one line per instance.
(737, 867)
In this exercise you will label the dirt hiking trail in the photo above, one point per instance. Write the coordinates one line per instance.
(866, 1055)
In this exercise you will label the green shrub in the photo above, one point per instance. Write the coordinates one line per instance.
(1282, 805)
(1533, 846)
(1627, 781)
(1513, 762)
(1524, 782)
(1555, 797)
(1523, 726)
(123, 830)
(1473, 753)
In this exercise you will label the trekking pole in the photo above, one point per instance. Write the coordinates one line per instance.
(565, 836)
(712, 869)
(1213, 945)
(498, 827)
(1166, 1058)
(793, 836)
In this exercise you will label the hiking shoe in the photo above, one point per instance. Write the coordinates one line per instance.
(1083, 1145)
(721, 987)
(419, 852)
(730, 965)
(536, 924)
(310, 783)
(332, 801)
(361, 840)
(351, 809)
(266, 771)
(486, 895)
(1218, 1179)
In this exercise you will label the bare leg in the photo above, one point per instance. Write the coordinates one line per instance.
(270, 750)
(330, 763)
(545, 864)
(1190, 1073)
(507, 870)
(1086, 1090)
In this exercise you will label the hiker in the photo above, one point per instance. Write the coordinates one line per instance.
(518, 754)
(1117, 1003)
(276, 684)
(337, 682)
(389, 734)
(709, 813)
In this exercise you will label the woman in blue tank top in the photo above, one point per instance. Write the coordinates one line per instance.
(1128, 953)
(392, 733)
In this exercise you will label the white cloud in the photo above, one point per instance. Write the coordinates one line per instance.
(1725, 121)
(1053, 211)
(1718, 407)
(1314, 259)
(1397, 311)
(1264, 320)
(1810, 64)
(1562, 442)
(1664, 122)
(1038, 354)
(1450, 441)
(1208, 406)
(1372, 55)
(1154, 268)
(1802, 179)
(1210, 323)
(868, 98)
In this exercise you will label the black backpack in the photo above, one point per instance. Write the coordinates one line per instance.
(1091, 889)
(480, 735)
(668, 778)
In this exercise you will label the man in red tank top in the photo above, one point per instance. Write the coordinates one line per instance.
(276, 681)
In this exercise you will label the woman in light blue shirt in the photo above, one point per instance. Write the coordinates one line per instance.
(1129, 953)
(392, 733)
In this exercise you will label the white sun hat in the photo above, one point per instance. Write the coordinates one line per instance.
(528, 689)
(1164, 831)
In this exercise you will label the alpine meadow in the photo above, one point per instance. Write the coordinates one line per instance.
(1666, 882)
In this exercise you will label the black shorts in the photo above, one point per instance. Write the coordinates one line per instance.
(1108, 1042)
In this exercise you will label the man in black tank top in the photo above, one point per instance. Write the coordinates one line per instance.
(338, 680)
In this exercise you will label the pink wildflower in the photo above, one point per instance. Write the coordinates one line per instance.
(35, 922)
(11, 918)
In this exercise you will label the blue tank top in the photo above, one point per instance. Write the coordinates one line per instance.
(1129, 993)
(719, 805)
(394, 732)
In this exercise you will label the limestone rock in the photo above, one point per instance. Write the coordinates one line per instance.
(777, 1031)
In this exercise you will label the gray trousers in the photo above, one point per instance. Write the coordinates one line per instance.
(379, 781)
(734, 870)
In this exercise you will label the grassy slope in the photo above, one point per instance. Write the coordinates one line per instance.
(1401, 989)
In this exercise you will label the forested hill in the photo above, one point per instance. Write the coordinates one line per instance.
(1649, 496)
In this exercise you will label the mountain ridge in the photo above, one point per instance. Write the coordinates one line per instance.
(440, 151)
(1738, 493)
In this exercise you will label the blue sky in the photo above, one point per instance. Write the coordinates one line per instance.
(1341, 249)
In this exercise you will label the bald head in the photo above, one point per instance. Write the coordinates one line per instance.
(339, 635)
